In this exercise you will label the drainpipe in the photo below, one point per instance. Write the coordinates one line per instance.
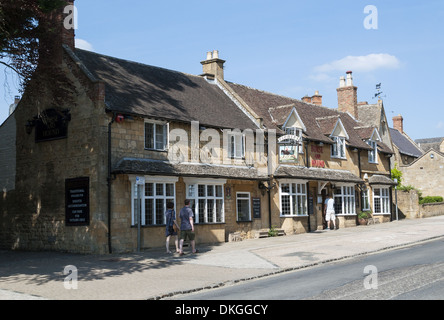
(109, 182)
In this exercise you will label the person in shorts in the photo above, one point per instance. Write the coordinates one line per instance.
(330, 212)
(187, 227)
(170, 218)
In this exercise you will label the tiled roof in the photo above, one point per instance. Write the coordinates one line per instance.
(319, 120)
(321, 174)
(404, 145)
(430, 143)
(142, 90)
(158, 167)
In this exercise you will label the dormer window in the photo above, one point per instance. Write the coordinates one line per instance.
(373, 143)
(338, 147)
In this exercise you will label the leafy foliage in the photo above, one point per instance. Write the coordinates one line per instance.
(26, 30)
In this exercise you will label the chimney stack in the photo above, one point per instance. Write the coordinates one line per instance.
(316, 99)
(348, 96)
(213, 67)
(398, 123)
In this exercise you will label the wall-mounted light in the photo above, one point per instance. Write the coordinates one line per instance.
(29, 125)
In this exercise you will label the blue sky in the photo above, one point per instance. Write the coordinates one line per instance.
(292, 48)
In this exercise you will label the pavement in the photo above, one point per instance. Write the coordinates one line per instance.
(154, 274)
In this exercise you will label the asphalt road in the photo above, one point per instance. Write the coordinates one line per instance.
(415, 272)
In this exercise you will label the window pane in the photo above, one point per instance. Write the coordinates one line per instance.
(169, 190)
(149, 211)
(202, 210)
(159, 137)
(201, 190)
(219, 212)
(191, 191)
(148, 189)
(285, 188)
(219, 192)
(149, 135)
(159, 211)
(210, 191)
(210, 210)
(243, 209)
(159, 189)
(286, 205)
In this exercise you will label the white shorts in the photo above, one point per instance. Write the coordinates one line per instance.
(330, 216)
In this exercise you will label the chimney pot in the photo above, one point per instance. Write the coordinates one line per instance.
(398, 123)
(342, 82)
(215, 54)
(349, 79)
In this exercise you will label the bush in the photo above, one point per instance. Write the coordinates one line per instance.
(431, 199)
(364, 215)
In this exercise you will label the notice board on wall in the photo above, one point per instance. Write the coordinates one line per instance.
(77, 202)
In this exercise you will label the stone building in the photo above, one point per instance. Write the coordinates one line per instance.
(335, 153)
(93, 173)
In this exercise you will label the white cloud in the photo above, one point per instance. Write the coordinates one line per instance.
(83, 44)
(361, 63)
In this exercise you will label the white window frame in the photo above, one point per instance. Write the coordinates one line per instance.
(192, 193)
(164, 137)
(384, 200)
(243, 196)
(338, 147)
(373, 154)
(236, 145)
(163, 181)
(294, 194)
(345, 201)
(366, 199)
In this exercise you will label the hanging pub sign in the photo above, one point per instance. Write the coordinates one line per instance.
(51, 124)
(289, 148)
(77, 202)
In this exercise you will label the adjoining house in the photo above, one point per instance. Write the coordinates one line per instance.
(94, 174)
(420, 161)
(335, 153)
(406, 150)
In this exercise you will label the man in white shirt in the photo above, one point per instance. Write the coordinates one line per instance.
(330, 212)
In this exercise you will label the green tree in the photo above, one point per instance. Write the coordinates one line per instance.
(25, 29)
(397, 174)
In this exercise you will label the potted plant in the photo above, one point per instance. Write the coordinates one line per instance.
(363, 217)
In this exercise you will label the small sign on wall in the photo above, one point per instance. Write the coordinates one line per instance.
(77, 202)
(256, 208)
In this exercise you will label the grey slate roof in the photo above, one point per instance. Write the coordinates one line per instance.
(321, 174)
(380, 179)
(142, 90)
(404, 145)
(430, 143)
(158, 167)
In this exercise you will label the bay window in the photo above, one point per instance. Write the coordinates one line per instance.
(344, 197)
(206, 199)
(381, 200)
(151, 199)
(293, 196)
